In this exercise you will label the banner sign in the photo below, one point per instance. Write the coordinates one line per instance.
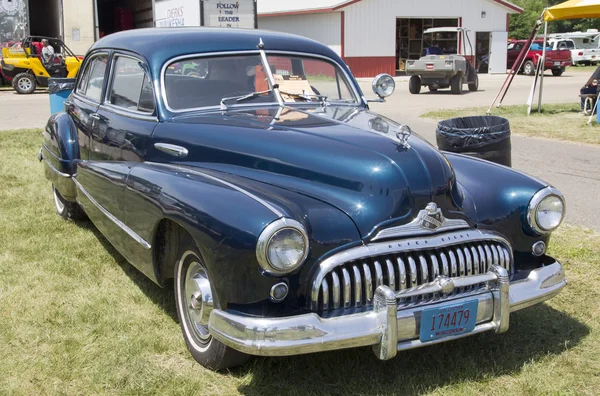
(173, 13)
(13, 21)
(237, 14)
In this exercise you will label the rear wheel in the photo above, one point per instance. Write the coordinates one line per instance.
(66, 209)
(24, 83)
(194, 299)
(456, 84)
(414, 85)
(474, 86)
(557, 72)
(529, 68)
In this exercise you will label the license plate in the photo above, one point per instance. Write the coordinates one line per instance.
(556, 63)
(429, 66)
(448, 320)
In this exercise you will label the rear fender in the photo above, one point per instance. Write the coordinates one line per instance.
(60, 149)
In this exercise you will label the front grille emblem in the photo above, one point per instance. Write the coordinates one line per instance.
(431, 218)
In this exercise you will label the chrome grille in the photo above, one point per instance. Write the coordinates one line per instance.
(352, 284)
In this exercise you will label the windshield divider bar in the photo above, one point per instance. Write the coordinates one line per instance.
(270, 78)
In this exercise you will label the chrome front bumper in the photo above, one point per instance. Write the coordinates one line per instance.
(387, 328)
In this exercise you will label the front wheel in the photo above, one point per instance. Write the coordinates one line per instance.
(557, 72)
(66, 209)
(529, 68)
(194, 299)
(24, 83)
(414, 85)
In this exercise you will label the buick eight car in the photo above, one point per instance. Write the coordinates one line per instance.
(290, 217)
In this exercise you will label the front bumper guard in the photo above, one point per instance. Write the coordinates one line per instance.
(387, 328)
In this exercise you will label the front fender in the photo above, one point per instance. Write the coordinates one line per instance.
(60, 149)
(225, 215)
(496, 197)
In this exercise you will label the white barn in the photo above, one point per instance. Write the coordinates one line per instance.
(378, 36)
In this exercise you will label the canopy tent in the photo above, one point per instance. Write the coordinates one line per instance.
(573, 9)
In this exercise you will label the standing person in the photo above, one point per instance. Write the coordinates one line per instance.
(47, 52)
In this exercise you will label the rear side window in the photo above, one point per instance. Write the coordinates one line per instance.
(131, 88)
(92, 80)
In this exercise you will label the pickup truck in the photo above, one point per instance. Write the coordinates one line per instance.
(556, 60)
(579, 55)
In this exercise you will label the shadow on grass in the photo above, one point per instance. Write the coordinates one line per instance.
(161, 297)
(534, 334)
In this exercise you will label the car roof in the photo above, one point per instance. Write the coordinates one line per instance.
(158, 45)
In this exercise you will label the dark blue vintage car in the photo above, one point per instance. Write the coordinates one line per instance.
(246, 167)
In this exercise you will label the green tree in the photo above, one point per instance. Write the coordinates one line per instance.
(521, 25)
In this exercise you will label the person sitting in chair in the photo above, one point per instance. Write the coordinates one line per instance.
(590, 90)
(47, 52)
(52, 62)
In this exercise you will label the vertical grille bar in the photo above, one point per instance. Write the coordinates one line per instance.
(461, 262)
(495, 255)
(335, 289)
(475, 260)
(357, 286)
(378, 274)
(453, 269)
(483, 265)
(347, 286)
(506, 259)
(435, 267)
(325, 291)
(489, 260)
(469, 267)
(368, 284)
(424, 271)
(401, 274)
(445, 269)
(391, 275)
(412, 271)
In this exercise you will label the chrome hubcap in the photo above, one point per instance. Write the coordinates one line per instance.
(60, 206)
(198, 300)
(24, 83)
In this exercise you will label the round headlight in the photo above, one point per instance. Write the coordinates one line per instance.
(282, 246)
(546, 210)
(383, 85)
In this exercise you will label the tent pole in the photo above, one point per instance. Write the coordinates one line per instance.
(543, 65)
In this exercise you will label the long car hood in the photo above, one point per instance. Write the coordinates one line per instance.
(348, 157)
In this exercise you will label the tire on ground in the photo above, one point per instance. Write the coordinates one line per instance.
(456, 84)
(24, 83)
(206, 350)
(474, 86)
(529, 68)
(557, 72)
(414, 85)
(66, 209)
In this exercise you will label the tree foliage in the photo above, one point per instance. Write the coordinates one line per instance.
(521, 25)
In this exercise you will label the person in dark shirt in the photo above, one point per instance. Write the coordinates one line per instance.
(590, 87)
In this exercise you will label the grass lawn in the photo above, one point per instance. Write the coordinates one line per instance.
(556, 121)
(75, 318)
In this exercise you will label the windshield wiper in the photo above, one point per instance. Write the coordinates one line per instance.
(242, 98)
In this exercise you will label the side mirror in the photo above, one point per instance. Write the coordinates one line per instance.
(383, 86)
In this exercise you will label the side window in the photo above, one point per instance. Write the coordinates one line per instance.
(92, 79)
(131, 88)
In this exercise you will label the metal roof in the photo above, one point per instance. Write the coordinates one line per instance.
(294, 7)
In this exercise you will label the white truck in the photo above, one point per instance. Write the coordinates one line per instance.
(584, 46)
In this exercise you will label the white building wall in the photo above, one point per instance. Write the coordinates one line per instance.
(370, 24)
(78, 22)
(324, 27)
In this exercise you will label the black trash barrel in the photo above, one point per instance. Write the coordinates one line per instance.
(485, 137)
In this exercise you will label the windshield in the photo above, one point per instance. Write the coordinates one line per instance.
(204, 81)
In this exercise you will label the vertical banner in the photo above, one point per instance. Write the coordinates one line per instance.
(236, 14)
(173, 13)
(13, 21)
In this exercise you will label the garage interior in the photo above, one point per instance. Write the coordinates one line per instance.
(411, 42)
(44, 18)
(117, 15)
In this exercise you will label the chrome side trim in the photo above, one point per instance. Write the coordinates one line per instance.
(182, 168)
(118, 222)
(53, 169)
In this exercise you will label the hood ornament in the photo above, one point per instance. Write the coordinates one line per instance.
(403, 134)
(431, 218)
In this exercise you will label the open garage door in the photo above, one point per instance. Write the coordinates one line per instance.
(45, 17)
(117, 15)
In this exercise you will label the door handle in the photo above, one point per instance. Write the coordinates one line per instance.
(69, 103)
(95, 116)
(172, 149)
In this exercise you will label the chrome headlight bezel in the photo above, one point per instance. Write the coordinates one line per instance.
(537, 198)
(264, 240)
